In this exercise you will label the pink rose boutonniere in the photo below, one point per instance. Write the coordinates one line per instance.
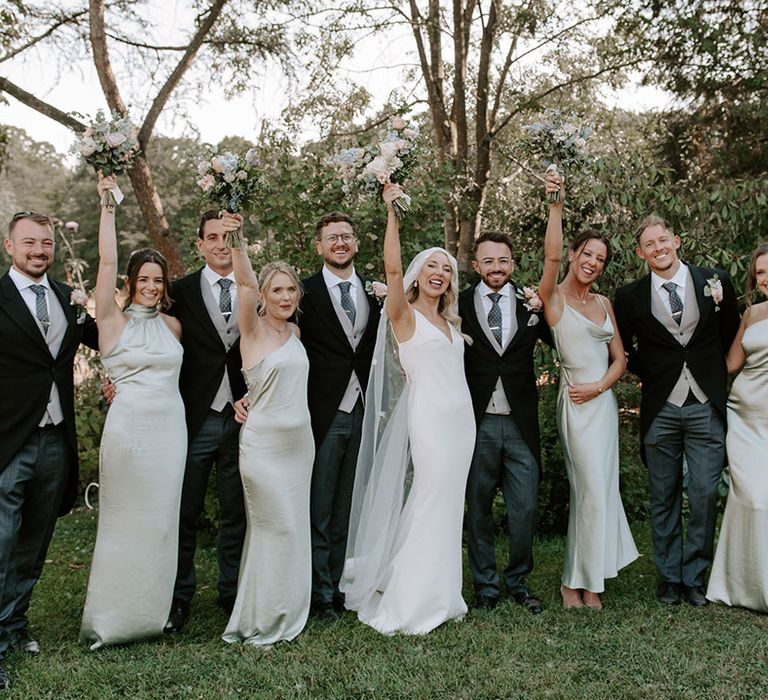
(531, 300)
(714, 289)
(79, 298)
(376, 289)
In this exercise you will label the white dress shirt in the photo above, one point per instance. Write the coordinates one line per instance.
(504, 305)
(213, 279)
(680, 279)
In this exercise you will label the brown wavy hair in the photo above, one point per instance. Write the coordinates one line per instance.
(137, 259)
(762, 249)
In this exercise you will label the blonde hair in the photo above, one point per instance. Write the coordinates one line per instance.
(265, 278)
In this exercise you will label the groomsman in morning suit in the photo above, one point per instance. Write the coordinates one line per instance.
(211, 381)
(40, 331)
(504, 328)
(677, 323)
(339, 318)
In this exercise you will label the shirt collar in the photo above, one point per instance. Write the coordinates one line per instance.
(22, 281)
(213, 277)
(680, 278)
(485, 290)
(332, 280)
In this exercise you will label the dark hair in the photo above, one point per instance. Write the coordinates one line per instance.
(41, 219)
(591, 234)
(648, 221)
(762, 249)
(207, 216)
(332, 217)
(137, 259)
(493, 237)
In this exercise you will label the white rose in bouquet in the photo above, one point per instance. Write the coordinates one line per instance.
(115, 138)
(86, 146)
(206, 183)
(202, 167)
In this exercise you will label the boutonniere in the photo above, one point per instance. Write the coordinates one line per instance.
(79, 299)
(377, 290)
(714, 289)
(531, 300)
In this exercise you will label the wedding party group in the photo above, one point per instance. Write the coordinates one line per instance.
(378, 424)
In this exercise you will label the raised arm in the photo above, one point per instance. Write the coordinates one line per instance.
(248, 294)
(108, 314)
(399, 311)
(553, 254)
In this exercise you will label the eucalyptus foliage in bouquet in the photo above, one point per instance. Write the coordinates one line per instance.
(559, 143)
(109, 146)
(234, 183)
(391, 159)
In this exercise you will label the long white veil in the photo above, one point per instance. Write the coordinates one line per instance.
(384, 470)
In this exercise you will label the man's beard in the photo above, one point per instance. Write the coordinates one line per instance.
(491, 284)
(341, 266)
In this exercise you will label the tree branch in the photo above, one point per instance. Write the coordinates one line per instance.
(183, 65)
(36, 39)
(101, 57)
(38, 105)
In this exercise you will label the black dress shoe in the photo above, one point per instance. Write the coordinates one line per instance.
(324, 612)
(668, 593)
(486, 602)
(25, 644)
(4, 682)
(528, 601)
(695, 596)
(178, 616)
(226, 602)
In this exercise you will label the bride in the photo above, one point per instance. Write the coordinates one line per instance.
(403, 569)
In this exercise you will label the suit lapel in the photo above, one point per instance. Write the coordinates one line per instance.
(19, 312)
(642, 299)
(69, 313)
(470, 316)
(482, 320)
(321, 300)
(197, 303)
(705, 309)
(522, 314)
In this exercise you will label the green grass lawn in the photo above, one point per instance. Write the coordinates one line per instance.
(634, 648)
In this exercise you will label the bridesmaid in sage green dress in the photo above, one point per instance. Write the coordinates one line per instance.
(592, 360)
(143, 449)
(276, 454)
(740, 569)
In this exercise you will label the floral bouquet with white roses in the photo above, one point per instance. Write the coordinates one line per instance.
(109, 146)
(367, 169)
(233, 183)
(559, 143)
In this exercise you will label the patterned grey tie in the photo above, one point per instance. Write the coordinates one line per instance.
(675, 302)
(494, 316)
(41, 307)
(347, 302)
(225, 298)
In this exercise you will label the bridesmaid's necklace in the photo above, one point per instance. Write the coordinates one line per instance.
(577, 297)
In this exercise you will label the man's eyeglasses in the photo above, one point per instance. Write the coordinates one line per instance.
(343, 237)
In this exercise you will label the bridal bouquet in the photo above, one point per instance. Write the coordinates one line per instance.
(109, 146)
(559, 143)
(367, 169)
(233, 183)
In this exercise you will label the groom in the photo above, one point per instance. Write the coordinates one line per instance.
(210, 382)
(677, 323)
(40, 331)
(504, 327)
(339, 318)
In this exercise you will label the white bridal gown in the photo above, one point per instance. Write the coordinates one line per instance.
(599, 541)
(740, 570)
(419, 585)
(141, 468)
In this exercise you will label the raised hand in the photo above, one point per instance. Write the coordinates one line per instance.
(555, 183)
(391, 192)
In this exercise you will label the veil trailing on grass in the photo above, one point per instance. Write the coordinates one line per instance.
(384, 471)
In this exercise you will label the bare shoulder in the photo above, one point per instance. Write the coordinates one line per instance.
(173, 324)
(756, 313)
(295, 329)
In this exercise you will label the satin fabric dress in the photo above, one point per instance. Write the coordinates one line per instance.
(420, 586)
(599, 541)
(276, 454)
(740, 569)
(141, 469)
